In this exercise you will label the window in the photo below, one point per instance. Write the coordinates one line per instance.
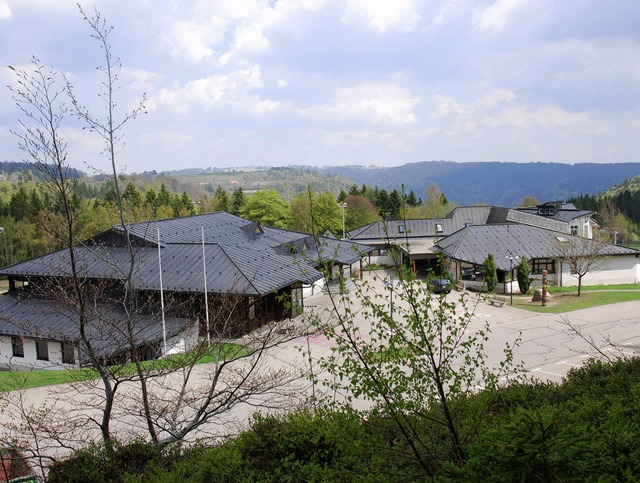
(42, 350)
(439, 228)
(401, 228)
(17, 346)
(540, 264)
(68, 353)
(574, 230)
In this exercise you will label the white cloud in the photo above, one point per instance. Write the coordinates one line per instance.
(384, 15)
(496, 16)
(446, 106)
(192, 40)
(545, 117)
(494, 98)
(377, 102)
(140, 79)
(234, 89)
(5, 11)
(225, 29)
(497, 109)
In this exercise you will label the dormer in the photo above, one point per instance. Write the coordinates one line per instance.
(549, 208)
(254, 228)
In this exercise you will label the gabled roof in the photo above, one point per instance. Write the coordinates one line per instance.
(242, 257)
(422, 228)
(472, 244)
(557, 210)
(23, 315)
(463, 216)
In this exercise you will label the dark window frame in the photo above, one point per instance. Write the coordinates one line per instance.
(42, 349)
(540, 264)
(17, 346)
(68, 352)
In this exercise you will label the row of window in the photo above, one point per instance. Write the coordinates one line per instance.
(42, 350)
(537, 265)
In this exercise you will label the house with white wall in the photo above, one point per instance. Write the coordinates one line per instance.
(191, 275)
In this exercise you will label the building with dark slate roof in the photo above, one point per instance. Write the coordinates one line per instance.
(459, 243)
(253, 275)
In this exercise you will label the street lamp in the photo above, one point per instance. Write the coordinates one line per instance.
(511, 256)
(343, 206)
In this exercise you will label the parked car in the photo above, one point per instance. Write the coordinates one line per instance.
(440, 285)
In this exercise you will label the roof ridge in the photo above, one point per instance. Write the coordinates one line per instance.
(249, 281)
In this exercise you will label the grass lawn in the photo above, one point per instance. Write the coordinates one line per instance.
(12, 380)
(565, 299)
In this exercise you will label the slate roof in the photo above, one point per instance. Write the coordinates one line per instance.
(242, 257)
(426, 227)
(473, 243)
(564, 212)
(22, 315)
(461, 217)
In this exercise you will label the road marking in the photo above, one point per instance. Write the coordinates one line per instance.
(567, 363)
(539, 369)
(620, 351)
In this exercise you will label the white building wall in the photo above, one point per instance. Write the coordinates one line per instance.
(614, 270)
(30, 360)
(185, 341)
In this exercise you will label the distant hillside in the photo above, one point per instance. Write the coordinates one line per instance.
(8, 168)
(504, 184)
(632, 184)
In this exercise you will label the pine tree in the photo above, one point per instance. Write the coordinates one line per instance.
(523, 275)
(489, 271)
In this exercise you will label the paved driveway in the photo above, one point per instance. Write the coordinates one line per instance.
(548, 348)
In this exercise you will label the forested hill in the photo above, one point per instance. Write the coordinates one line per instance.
(503, 184)
(7, 168)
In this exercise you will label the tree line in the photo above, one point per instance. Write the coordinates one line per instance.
(26, 206)
(618, 214)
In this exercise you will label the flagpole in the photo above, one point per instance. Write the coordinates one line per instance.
(206, 300)
(164, 328)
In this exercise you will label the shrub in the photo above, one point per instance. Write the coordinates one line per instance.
(524, 272)
(489, 272)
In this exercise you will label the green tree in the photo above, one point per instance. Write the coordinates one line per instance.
(395, 205)
(435, 205)
(412, 200)
(528, 201)
(415, 363)
(489, 272)
(20, 206)
(268, 208)
(239, 199)
(316, 213)
(359, 212)
(131, 196)
(524, 282)
(222, 200)
(164, 196)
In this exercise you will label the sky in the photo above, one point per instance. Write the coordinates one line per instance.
(230, 83)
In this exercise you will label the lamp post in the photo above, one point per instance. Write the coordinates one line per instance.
(510, 256)
(343, 206)
(388, 282)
